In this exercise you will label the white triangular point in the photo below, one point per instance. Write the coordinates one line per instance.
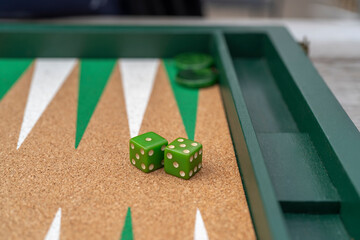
(138, 77)
(200, 230)
(54, 230)
(49, 75)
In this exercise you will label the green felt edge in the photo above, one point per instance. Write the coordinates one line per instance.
(127, 232)
(10, 72)
(187, 99)
(27, 40)
(94, 74)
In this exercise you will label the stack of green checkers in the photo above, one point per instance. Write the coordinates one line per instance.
(195, 70)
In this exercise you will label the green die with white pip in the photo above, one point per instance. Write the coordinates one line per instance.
(147, 151)
(183, 158)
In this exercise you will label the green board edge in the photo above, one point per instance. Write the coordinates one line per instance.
(254, 174)
(339, 148)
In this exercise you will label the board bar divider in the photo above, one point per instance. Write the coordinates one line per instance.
(267, 215)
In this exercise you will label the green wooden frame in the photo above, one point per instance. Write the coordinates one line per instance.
(317, 115)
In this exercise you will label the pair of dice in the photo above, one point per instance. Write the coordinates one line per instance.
(181, 158)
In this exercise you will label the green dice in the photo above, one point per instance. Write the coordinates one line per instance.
(147, 151)
(183, 158)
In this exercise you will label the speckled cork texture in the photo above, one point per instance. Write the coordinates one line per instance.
(95, 184)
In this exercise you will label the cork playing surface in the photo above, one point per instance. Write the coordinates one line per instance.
(73, 161)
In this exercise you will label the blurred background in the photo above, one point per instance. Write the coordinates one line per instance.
(282, 8)
(209, 9)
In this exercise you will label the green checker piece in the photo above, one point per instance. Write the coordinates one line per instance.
(147, 151)
(196, 78)
(183, 158)
(193, 61)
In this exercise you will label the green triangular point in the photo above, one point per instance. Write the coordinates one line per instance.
(94, 74)
(127, 232)
(10, 72)
(186, 98)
